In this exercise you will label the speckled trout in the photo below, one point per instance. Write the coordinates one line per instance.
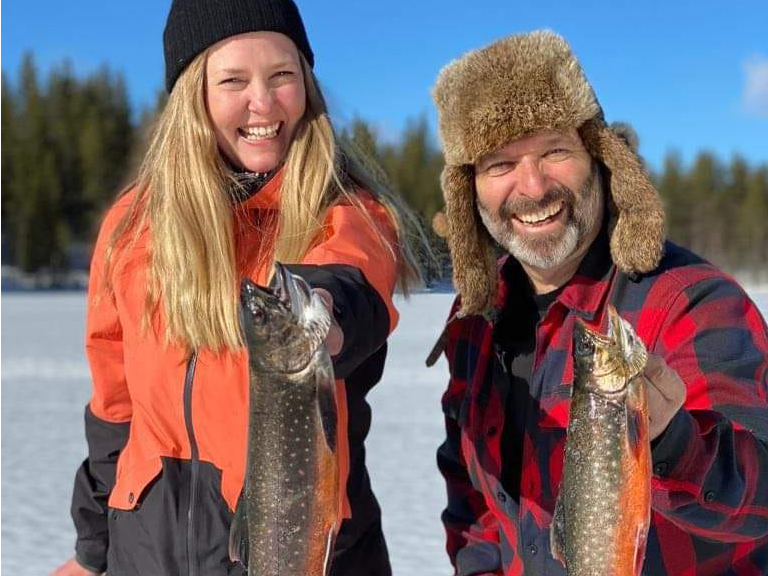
(285, 522)
(602, 514)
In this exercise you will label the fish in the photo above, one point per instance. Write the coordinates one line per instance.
(285, 521)
(603, 508)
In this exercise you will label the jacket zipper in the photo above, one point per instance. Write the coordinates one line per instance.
(195, 460)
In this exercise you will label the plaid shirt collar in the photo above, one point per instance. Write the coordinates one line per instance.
(584, 293)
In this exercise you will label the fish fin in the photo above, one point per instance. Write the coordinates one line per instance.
(634, 430)
(641, 540)
(326, 403)
(329, 546)
(238, 533)
(557, 531)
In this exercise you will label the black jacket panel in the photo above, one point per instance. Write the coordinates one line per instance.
(93, 483)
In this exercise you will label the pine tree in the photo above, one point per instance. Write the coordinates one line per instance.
(363, 138)
(9, 170)
(736, 229)
(65, 106)
(143, 131)
(705, 191)
(35, 189)
(673, 190)
(751, 222)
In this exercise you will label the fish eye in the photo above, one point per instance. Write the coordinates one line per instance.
(583, 345)
(259, 315)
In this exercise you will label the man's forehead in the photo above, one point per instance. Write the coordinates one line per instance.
(534, 141)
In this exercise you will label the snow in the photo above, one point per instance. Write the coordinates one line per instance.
(45, 386)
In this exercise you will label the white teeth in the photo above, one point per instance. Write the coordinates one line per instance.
(260, 132)
(542, 215)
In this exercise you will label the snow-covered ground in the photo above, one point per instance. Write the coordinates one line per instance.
(45, 385)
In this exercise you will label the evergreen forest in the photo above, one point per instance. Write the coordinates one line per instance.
(70, 143)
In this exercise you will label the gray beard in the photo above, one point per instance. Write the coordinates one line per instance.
(583, 213)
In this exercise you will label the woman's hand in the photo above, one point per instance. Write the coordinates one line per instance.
(335, 338)
(72, 568)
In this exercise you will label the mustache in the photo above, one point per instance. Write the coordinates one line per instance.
(556, 193)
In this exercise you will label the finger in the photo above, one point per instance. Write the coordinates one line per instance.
(669, 385)
(654, 366)
(663, 378)
(334, 340)
(326, 297)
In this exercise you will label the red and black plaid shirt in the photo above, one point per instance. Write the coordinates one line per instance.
(710, 467)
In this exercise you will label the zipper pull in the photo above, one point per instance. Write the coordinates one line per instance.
(501, 356)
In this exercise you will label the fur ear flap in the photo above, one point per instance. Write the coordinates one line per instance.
(637, 220)
(474, 259)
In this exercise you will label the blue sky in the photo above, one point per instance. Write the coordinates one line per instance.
(689, 75)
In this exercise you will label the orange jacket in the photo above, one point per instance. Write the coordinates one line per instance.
(138, 379)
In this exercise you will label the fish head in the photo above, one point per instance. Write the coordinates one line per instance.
(284, 323)
(606, 363)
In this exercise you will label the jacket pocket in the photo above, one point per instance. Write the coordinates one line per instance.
(132, 482)
(153, 537)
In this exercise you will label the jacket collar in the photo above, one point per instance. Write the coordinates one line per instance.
(266, 194)
(588, 289)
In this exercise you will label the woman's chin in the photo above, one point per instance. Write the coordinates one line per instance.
(264, 163)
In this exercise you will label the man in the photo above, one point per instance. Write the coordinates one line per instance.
(531, 164)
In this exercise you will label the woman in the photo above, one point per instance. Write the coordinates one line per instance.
(243, 169)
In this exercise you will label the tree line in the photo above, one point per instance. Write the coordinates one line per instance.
(70, 143)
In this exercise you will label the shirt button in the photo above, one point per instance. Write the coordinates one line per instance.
(709, 496)
(660, 469)
(130, 498)
(533, 549)
(502, 497)
(492, 431)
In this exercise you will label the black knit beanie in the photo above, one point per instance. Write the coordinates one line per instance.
(193, 25)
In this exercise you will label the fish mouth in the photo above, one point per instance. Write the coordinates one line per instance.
(287, 303)
(289, 289)
(284, 291)
(613, 358)
(251, 293)
(587, 340)
(256, 301)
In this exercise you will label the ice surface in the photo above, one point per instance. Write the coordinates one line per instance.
(45, 386)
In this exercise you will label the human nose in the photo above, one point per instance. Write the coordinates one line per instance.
(260, 99)
(532, 181)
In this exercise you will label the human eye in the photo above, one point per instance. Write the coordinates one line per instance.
(231, 82)
(557, 154)
(283, 76)
(499, 167)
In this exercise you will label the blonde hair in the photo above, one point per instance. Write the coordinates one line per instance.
(183, 198)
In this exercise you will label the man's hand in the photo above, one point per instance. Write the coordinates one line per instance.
(72, 568)
(335, 338)
(665, 394)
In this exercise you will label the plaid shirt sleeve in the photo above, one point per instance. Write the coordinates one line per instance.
(711, 463)
(472, 535)
(471, 529)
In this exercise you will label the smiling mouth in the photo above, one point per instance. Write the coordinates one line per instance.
(541, 217)
(256, 133)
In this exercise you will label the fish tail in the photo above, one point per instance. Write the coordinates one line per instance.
(329, 547)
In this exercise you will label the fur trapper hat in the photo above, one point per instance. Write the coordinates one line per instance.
(514, 87)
